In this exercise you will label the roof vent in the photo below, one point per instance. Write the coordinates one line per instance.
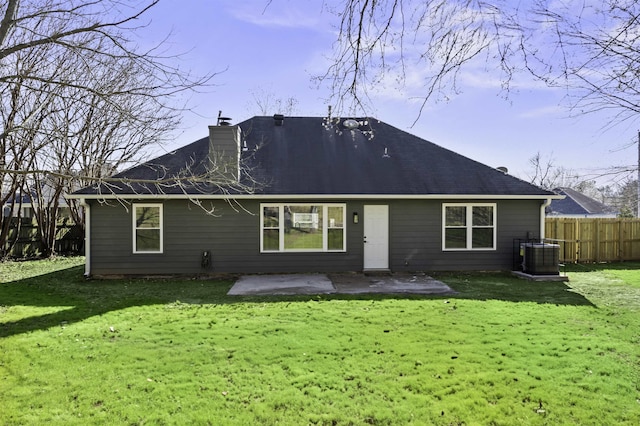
(350, 124)
(503, 169)
(278, 119)
(223, 121)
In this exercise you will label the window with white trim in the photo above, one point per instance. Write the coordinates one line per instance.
(469, 226)
(147, 228)
(302, 227)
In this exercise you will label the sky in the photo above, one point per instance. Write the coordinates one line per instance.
(275, 48)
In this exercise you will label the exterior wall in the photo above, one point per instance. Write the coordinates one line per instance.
(233, 238)
(416, 236)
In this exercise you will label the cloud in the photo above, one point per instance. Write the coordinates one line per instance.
(546, 111)
(480, 79)
(277, 13)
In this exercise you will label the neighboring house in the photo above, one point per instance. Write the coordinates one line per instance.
(576, 204)
(332, 195)
(18, 205)
(24, 205)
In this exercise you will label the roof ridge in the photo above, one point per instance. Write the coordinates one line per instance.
(580, 199)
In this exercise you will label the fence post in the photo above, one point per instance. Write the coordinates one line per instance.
(577, 234)
(620, 239)
(596, 240)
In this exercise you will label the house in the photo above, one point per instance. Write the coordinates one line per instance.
(576, 204)
(26, 204)
(308, 194)
(18, 205)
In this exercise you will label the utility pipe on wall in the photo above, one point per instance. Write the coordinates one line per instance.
(543, 215)
(87, 237)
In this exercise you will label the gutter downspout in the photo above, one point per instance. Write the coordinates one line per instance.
(87, 237)
(543, 215)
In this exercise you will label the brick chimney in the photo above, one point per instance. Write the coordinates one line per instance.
(224, 150)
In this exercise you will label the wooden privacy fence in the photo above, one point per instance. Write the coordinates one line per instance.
(24, 238)
(595, 239)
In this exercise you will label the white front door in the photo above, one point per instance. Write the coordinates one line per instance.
(376, 237)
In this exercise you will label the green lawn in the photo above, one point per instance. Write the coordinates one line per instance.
(503, 351)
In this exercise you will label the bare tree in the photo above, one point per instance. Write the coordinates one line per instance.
(589, 48)
(268, 103)
(90, 136)
(22, 109)
(547, 175)
(78, 98)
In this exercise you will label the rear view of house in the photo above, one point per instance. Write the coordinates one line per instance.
(309, 194)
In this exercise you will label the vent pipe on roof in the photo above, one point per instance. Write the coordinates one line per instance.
(278, 119)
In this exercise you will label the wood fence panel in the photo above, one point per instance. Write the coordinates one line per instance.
(610, 241)
(586, 240)
(595, 239)
(565, 233)
(631, 233)
(24, 238)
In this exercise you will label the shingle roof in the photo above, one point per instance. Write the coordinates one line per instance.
(305, 155)
(576, 203)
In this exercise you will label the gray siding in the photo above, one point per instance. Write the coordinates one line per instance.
(416, 237)
(233, 237)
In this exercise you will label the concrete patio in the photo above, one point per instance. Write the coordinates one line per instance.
(338, 283)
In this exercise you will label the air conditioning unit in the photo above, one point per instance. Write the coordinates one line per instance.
(541, 259)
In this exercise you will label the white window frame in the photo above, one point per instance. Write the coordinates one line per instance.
(135, 228)
(469, 226)
(325, 228)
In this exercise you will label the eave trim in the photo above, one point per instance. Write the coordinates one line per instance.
(311, 196)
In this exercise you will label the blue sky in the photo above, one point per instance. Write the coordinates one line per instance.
(277, 48)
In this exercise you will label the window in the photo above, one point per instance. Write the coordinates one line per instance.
(469, 227)
(302, 227)
(147, 228)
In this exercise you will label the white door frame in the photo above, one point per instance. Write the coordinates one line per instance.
(376, 237)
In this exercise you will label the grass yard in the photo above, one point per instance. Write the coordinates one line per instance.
(502, 352)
